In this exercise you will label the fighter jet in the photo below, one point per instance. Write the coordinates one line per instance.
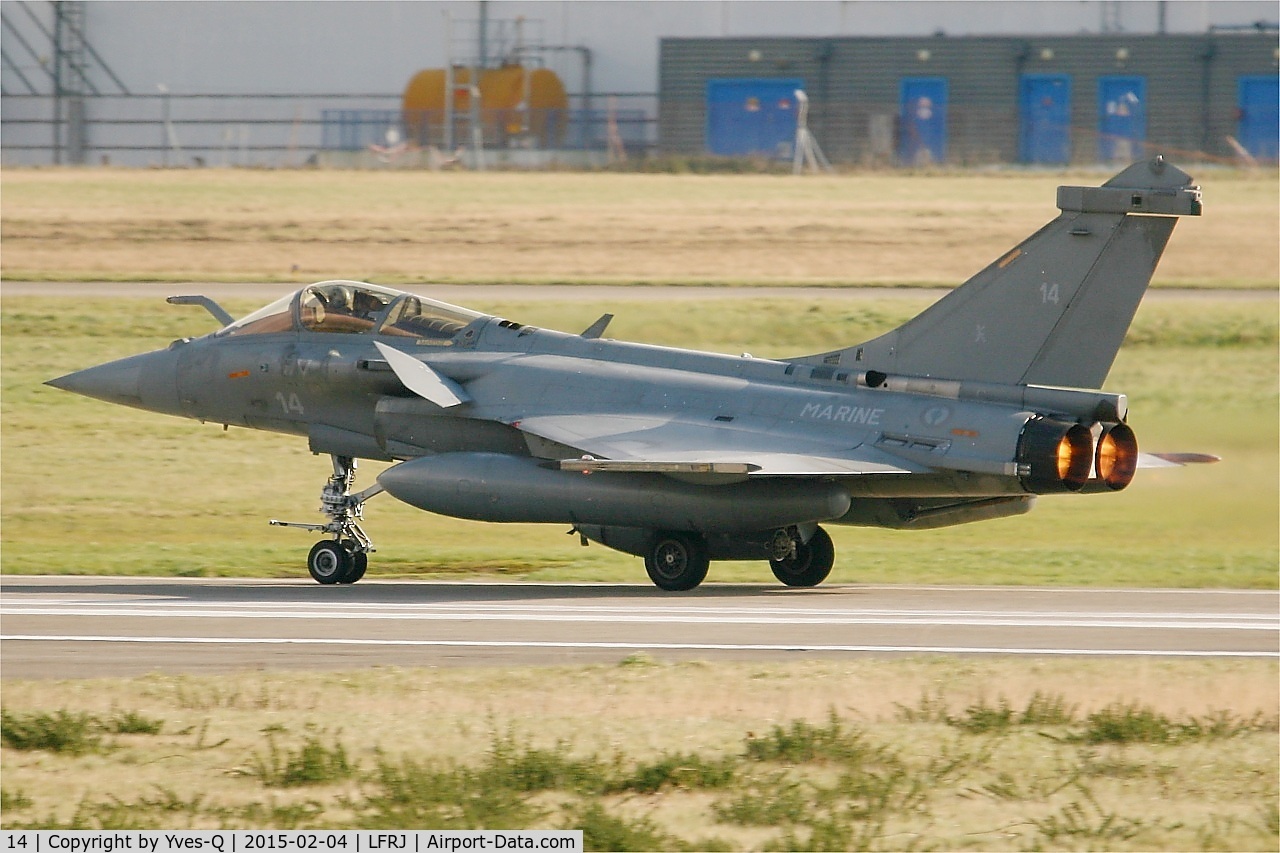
(967, 412)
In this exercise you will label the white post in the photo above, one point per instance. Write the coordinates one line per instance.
(806, 147)
(802, 130)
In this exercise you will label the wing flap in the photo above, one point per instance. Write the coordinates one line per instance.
(589, 465)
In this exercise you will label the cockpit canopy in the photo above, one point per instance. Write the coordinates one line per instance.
(356, 308)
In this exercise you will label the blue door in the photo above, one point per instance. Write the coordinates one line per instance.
(752, 116)
(1259, 122)
(1044, 102)
(922, 121)
(1122, 118)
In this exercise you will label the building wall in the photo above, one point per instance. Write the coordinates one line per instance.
(854, 87)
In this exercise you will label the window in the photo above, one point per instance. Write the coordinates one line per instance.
(272, 319)
(426, 320)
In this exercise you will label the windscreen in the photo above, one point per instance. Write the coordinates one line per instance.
(271, 319)
(353, 307)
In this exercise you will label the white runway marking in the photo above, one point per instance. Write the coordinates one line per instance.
(729, 647)
(676, 615)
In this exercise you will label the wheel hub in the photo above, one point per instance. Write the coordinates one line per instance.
(783, 546)
(672, 558)
(326, 563)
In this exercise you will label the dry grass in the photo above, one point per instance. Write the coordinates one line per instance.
(415, 226)
(637, 703)
(217, 730)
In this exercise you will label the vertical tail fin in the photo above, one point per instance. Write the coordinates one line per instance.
(1055, 309)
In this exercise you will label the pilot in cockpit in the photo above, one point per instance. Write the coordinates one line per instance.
(366, 305)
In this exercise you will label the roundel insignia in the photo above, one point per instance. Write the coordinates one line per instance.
(936, 415)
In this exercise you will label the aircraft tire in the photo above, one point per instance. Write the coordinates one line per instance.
(811, 564)
(359, 565)
(329, 562)
(677, 562)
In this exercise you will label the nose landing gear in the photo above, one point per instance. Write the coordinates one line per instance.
(345, 557)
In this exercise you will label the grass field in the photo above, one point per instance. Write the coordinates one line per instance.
(864, 228)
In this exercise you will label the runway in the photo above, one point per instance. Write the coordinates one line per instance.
(79, 627)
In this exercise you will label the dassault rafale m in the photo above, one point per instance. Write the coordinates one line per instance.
(966, 412)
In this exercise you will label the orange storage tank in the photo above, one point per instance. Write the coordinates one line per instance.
(502, 92)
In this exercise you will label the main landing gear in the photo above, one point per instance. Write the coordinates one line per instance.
(799, 563)
(676, 562)
(345, 557)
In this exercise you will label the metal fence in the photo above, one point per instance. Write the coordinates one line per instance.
(281, 131)
(167, 129)
(573, 129)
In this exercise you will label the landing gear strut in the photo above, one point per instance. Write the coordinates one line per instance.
(345, 557)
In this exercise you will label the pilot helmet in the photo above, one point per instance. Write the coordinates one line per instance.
(338, 297)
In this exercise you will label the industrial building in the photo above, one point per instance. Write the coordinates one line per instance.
(971, 100)
(270, 83)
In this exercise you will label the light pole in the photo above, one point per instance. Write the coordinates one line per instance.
(166, 132)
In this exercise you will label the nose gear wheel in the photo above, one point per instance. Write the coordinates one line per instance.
(345, 557)
(329, 562)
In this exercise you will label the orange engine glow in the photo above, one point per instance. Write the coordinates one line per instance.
(1075, 457)
(1054, 456)
(1117, 456)
(1066, 456)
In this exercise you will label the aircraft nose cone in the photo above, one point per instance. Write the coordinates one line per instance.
(144, 381)
(115, 382)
